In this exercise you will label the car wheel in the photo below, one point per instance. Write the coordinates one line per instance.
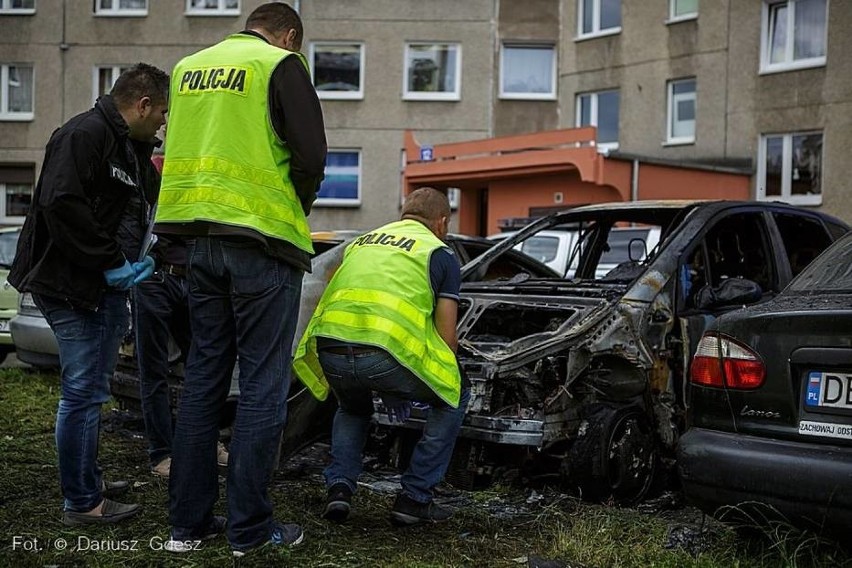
(614, 456)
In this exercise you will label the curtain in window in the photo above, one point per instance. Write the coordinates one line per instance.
(527, 69)
(807, 159)
(810, 29)
(20, 89)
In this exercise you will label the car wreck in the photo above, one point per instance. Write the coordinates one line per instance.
(586, 376)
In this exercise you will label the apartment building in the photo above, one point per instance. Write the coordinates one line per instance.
(763, 86)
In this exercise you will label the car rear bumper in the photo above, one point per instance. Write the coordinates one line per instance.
(34, 341)
(807, 483)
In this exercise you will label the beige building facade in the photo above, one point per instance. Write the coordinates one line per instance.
(762, 86)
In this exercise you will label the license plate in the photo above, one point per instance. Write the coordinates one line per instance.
(829, 390)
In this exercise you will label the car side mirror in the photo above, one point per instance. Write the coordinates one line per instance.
(637, 249)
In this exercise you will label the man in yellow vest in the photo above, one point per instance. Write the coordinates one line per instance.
(244, 159)
(386, 323)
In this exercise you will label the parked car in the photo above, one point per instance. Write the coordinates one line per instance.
(771, 405)
(8, 295)
(559, 249)
(308, 419)
(587, 376)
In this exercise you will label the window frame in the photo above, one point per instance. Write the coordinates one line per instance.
(550, 96)
(5, 115)
(426, 95)
(114, 69)
(221, 10)
(596, 30)
(339, 201)
(786, 169)
(594, 115)
(671, 139)
(339, 95)
(766, 33)
(12, 219)
(7, 10)
(674, 17)
(117, 10)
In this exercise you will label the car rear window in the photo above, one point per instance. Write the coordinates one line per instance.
(831, 271)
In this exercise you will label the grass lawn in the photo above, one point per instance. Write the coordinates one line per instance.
(512, 527)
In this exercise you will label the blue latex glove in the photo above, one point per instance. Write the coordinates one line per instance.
(143, 269)
(121, 277)
(398, 410)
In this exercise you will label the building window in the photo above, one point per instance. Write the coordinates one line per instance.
(790, 168)
(432, 72)
(793, 35)
(105, 77)
(16, 189)
(598, 17)
(600, 109)
(17, 6)
(342, 183)
(16, 92)
(682, 10)
(213, 7)
(681, 112)
(527, 71)
(338, 70)
(121, 7)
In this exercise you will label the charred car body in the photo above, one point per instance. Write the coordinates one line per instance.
(587, 376)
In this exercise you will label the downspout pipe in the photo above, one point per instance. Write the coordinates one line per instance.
(634, 181)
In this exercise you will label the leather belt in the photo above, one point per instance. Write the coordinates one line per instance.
(174, 269)
(341, 350)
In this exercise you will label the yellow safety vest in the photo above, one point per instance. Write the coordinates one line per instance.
(224, 162)
(382, 296)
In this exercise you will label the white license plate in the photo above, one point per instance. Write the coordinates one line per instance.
(831, 390)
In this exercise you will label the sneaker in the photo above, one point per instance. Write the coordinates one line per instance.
(337, 503)
(113, 489)
(222, 455)
(407, 512)
(283, 534)
(163, 468)
(111, 512)
(214, 529)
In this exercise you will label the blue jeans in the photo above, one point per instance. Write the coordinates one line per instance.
(353, 378)
(161, 310)
(242, 302)
(88, 351)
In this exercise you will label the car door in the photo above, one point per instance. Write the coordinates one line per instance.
(716, 271)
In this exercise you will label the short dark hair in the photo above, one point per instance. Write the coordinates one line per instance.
(276, 18)
(141, 80)
(427, 203)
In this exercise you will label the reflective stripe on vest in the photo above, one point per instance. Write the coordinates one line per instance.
(224, 162)
(391, 308)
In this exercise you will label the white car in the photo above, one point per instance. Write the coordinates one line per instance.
(561, 249)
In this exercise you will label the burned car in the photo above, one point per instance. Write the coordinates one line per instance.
(587, 376)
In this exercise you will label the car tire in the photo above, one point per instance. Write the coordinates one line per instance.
(614, 457)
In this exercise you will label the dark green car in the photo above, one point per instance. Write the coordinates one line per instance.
(771, 406)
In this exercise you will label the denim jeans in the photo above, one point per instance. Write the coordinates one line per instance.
(353, 378)
(242, 302)
(88, 351)
(161, 310)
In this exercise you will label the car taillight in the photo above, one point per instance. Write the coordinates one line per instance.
(721, 361)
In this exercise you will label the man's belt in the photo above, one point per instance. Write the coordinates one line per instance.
(174, 269)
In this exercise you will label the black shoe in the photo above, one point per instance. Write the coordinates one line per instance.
(337, 503)
(111, 512)
(214, 529)
(406, 512)
(283, 534)
(113, 489)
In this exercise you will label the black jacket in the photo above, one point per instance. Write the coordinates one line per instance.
(91, 169)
